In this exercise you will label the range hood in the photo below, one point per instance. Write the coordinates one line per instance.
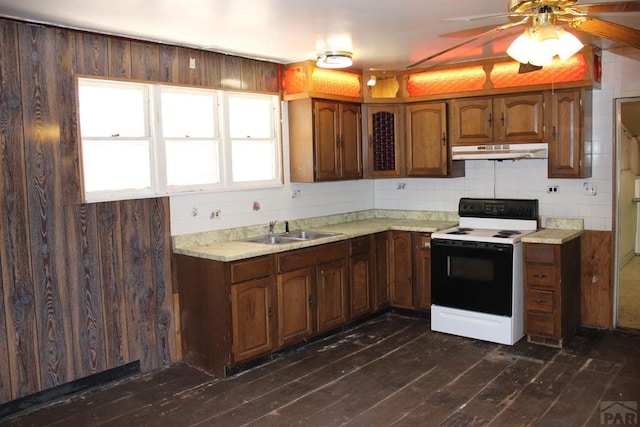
(500, 151)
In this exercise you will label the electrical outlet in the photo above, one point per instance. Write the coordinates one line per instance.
(553, 189)
(192, 63)
(295, 194)
(589, 189)
(402, 186)
(215, 214)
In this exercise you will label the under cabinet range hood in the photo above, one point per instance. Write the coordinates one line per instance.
(500, 151)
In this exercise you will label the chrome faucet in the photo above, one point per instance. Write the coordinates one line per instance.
(272, 224)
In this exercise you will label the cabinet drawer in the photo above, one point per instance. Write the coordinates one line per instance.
(540, 324)
(538, 300)
(360, 245)
(542, 276)
(539, 253)
(252, 268)
(293, 260)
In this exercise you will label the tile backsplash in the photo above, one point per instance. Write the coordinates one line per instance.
(502, 179)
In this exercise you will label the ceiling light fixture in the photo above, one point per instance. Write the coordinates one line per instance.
(334, 59)
(541, 42)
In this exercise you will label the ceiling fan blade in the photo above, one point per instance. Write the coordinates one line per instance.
(609, 30)
(476, 17)
(469, 40)
(612, 7)
(528, 68)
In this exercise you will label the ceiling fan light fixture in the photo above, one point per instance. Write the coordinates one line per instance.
(372, 80)
(335, 59)
(520, 48)
(568, 44)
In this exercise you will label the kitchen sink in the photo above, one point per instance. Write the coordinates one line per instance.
(271, 240)
(291, 237)
(307, 235)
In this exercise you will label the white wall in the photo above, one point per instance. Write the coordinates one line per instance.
(507, 179)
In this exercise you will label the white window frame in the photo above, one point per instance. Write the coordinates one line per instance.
(157, 147)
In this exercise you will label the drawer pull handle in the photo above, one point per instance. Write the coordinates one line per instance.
(540, 301)
(540, 276)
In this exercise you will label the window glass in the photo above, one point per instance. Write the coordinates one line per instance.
(142, 140)
(250, 116)
(111, 109)
(111, 165)
(188, 113)
(253, 160)
(192, 162)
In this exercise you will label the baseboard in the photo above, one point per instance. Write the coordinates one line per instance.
(83, 384)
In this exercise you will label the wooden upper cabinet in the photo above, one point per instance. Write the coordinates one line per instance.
(569, 151)
(504, 119)
(325, 140)
(519, 118)
(427, 141)
(384, 128)
(350, 141)
(472, 121)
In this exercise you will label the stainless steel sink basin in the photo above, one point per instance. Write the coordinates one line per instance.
(271, 240)
(291, 237)
(307, 234)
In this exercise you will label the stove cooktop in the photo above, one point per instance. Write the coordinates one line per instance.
(482, 234)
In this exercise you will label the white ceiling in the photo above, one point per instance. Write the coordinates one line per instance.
(381, 34)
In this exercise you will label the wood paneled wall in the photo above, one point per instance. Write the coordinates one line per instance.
(85, 287)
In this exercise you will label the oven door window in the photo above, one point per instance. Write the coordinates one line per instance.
(472, 276)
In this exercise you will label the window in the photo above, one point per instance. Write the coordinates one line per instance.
(143, 140)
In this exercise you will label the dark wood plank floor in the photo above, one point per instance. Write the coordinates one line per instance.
(391, 370)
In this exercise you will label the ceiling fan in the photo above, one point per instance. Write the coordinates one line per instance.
(546, 14)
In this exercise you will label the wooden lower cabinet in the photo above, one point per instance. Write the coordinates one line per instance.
(332, 309)
(362, 279)
(232, 312)
(381, 286)
(400, 269)
(422, 270)
(252, 312)
(316, 279)
(226, 310)
(552, 292)
(295, 318)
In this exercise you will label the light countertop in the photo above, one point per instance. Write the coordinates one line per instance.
(552, 236)
(233, 250)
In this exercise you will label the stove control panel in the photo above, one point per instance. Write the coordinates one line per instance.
(498, 208)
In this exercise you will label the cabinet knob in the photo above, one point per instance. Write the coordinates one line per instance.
(502, 119)
(310, 301)
(444, 138)
(553, 132)
(270, 312)
(490, 119)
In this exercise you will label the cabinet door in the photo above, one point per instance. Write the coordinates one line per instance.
(327, 134)
(427, 147)
(400, 269)
(361, 280)
(331, 295)
(422, 270)
(519, 118)
(252, 313)
(350, 141)
(295, 320)
(566, 136)
(472, 121)
(385, 154)
(381, 290)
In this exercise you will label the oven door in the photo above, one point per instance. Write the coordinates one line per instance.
(474, 276)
